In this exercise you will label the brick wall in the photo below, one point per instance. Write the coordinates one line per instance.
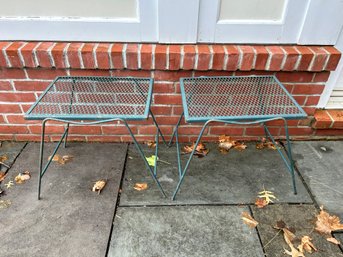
(26, 68)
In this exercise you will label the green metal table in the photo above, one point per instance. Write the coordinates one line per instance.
(94, 100)
(241, 100)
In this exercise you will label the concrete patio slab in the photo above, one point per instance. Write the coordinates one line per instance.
(234, 178)
(200, 231)
(321, 163)
(298, 217)
(70, 219)
(339, 237)
(11, 150)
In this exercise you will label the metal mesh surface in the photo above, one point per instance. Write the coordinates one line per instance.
(237, 98)
(94, 98)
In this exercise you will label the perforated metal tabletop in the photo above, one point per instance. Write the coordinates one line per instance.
(237, 98)
(94, 98)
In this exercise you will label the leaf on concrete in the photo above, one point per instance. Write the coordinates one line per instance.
(333, 240)
(240, 146)
(225, 144)
(267, 196)
(294, 252)
(3, 158)
(266, 144)
(200, 150)
(152, 160)
(151, 144)
(326, 223)
(247, 219)
(260, 203)
(9, 184)
(61, 159)
(140, 186)
(22, 177)
(2, 176)
(306, 245)
(5, 204)
(99, 185)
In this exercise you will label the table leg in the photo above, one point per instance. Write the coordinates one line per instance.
(175, 130)
(66, 138)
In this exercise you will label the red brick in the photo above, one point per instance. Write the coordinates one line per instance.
(19, 119)
(2, 119)
(27, 53)
(132, 56)
(262, 56)
(31, 85)
(218, 57)
(5, 85)
(174, 57)
(259, 131)
(57, 53)
(73, 55)
(118, 130)
(337, 116)
(171, 120)
(87, 56)
(167, 99)
(10, 108)
(151, 130)
(11, 129)
(321, 77)
(74, 72)
(294, 76)
(247, 57)
(17, 97)
(204, 57)
(104, 139)
(335, 56)
(7, 137)
(306, 57)
(12, 73)
(43, 55)
(25, 107)
(289, 87)
(138, 138)
(45, 73)
(277, 56)
(117, 56)
(31, 138)
(102, 56)
(171, 75)
(188, 57)
(160, 57)
(322, 119)
(191, 130)
(329, 132)
(53, 129)
(224, 130)
(85, 130)
(13, 54)
(305, 122)
(282, 123)
(161, 110)
(177, 110)
(309, 110)
(291, 59)
(320, 58)
(300, 99)
(211, 73)
(233, 57)
(164, 88)
(308, 89)
(2, 57)
(297, 131)
(312, 100)
(146, 57)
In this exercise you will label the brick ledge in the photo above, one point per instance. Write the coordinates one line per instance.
(328, 119)
(78, 55)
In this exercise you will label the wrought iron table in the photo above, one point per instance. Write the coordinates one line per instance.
(94, 100)
(241, 100)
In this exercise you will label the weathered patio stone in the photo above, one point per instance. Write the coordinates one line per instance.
(11, 150)
(183, 231)
(321, 163)
(299, 217)
(234, 178)
(70, 219)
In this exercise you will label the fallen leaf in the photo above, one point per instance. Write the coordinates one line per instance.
(226, 145)
(240, 146)
(326, 223)
(3, 158)
(9, 184)
(200, 150)
(289, 236)
(224, 138)
(151, 144)
(294, 252)
(61, 159)
(267, 196)
(152, 160)
(260, 203)
(247, 219)
(4, 204)
(333, 240)
(140, 186)
(2, 176)
(22, 177)
(265, 144)
(99, 185)
(306, 245)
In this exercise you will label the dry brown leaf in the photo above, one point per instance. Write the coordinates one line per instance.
(224, 138)
(265, 144)
(333, 240)
(3, 158)
(22, 177)
(61, 159)
(306, 245)
(2, 176)
(200, 150)
(140, 186)
(226, 145)
(294, 252)
(240, 146)
(326, 223)
(151, 144)
(260, 203)
(267, 196)
(247, 219)
(99, 185)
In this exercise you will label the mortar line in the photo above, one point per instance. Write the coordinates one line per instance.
(257, 232)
